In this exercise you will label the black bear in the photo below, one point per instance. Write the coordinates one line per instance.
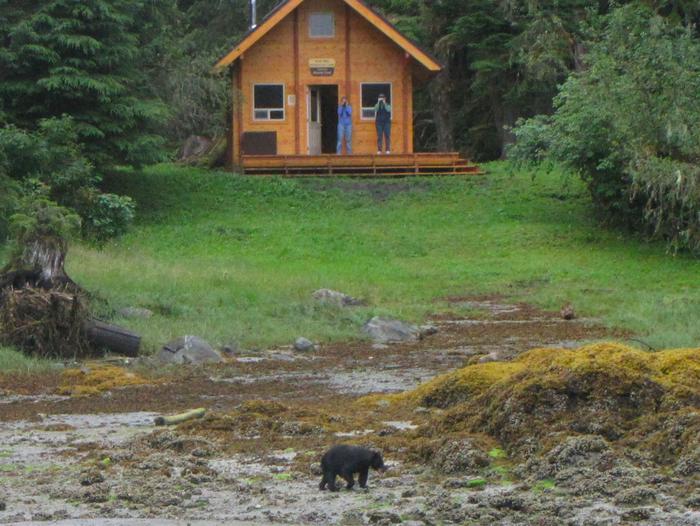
(346, 461)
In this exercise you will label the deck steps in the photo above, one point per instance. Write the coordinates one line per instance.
(393, 165)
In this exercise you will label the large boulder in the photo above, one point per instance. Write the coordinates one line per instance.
(188, 350)
(333, 297)
(386, 330)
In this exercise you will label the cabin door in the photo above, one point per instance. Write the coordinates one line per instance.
(323, 119)
(314, 120)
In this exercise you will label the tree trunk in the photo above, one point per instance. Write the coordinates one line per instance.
(440, 89)
(40, 264)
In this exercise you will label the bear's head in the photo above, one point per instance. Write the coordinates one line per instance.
(377, 461)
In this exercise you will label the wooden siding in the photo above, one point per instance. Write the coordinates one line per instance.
(362, 54)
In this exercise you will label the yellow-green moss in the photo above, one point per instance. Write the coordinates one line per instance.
(96, 379)
(675, 370)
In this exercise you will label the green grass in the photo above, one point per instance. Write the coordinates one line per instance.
(12, 361)
(237, 258)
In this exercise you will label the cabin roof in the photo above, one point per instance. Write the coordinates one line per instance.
(287, 6)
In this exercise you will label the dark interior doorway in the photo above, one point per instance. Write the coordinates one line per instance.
(329, 118)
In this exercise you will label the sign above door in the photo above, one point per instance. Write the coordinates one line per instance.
(322, 67)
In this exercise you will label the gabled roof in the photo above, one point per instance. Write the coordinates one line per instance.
(369, 14)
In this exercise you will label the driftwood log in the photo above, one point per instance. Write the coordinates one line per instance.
(116, 339)
(45, 313)
(179, 418)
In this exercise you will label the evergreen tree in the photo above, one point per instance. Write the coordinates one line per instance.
(88, 59)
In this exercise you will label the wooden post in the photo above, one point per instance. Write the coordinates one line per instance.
(239, 133)
(406, 96)
(297, 86)
(348, 68)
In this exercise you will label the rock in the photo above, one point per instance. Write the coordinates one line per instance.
(584, 450)
(688, 464)
(188, 350)
(385, 330)
(382, 517)
(333, 297)
(693, 502)
(302, 344)
(90, 477)
(231, 349)
(510, 502)
(637, 514)
(427, 330)
(460, 456)
(195, 146)
(493, 356)
(635, 496)
(567, 312)
(135, 312)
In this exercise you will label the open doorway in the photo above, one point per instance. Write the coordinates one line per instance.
(323, 119)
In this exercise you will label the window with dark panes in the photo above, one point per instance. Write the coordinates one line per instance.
(321, 25)
(268, 102)
(370, 95)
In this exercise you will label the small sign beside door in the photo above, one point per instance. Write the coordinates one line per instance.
(322, 67)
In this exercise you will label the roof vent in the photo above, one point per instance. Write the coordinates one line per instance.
(253, 15)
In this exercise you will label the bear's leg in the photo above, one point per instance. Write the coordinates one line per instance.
(363, 477)
(347, 475)
(330, 479)
(323, 483)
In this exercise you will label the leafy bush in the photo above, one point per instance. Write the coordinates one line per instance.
(628, 124)
(109, 215)
(48, 165)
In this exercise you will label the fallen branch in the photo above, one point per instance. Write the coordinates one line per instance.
(182, 417)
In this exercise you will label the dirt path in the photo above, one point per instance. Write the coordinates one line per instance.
(86, 460)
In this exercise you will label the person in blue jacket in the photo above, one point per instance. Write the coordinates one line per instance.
(382, 119)
(344, 126)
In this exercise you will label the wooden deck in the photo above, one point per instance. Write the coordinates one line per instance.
(393, 165)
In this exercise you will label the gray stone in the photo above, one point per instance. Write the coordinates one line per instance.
(195, 146)
(231, 349)
(333, 297)
(386, 330)
(460, 456)
(188, 350)
(427, 330)
(135, 312)
(303, 345)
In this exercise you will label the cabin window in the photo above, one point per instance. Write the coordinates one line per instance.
(370, 94)
(321, 25)
(268, 102)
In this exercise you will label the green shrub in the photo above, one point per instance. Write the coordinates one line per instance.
(48, 165)
(108, 216)
(628, 125)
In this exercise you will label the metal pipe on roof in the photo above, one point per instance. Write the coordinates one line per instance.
(253, 15)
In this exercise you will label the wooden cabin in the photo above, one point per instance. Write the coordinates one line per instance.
(289, 73)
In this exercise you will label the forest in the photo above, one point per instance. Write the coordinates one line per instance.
(610, 89)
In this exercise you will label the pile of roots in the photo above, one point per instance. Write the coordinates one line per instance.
(48, 323)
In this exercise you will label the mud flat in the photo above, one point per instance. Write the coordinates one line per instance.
(254, 458)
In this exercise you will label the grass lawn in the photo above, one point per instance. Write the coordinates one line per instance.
(236, 259)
